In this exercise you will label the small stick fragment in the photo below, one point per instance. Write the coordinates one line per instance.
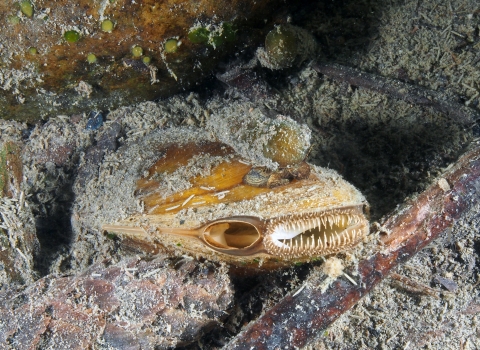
(413, 286)
(350, 279)
(151, 273)
(299, 290)
(221, 194)
(410, 93)
(172, 208)
(187, 200)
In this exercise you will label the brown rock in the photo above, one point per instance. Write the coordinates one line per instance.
(135, 304)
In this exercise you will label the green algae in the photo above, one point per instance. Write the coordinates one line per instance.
(224, 33)
(71, 36)
(227, 33)
(171, 45)
(91, 58)
(199, 35)
(13, 19)
(27, 8)
(137, 51)
(107, 26)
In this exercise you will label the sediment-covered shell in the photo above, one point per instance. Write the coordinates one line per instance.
(286, 45)
(186, 192)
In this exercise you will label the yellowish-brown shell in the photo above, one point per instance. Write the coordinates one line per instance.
(194, 200)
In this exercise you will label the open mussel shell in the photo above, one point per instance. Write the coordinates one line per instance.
(194, 199)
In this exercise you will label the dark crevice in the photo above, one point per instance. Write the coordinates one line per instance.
(254, 294)
(53, 224)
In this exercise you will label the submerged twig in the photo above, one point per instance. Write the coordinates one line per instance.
(410, 93)
(414, 286)
(297, 319)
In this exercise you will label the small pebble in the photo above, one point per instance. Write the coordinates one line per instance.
(450, 285)
(95, 120)
(76, 118)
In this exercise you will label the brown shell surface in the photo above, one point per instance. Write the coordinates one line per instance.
(195, 183)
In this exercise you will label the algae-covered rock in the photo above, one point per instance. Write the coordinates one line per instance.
(60, 57)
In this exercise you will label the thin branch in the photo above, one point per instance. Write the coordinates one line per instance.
(410, 93)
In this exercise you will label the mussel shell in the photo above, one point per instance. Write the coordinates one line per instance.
(181, 190)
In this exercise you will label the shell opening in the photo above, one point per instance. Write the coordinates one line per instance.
(231, 235)
(316, 233)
